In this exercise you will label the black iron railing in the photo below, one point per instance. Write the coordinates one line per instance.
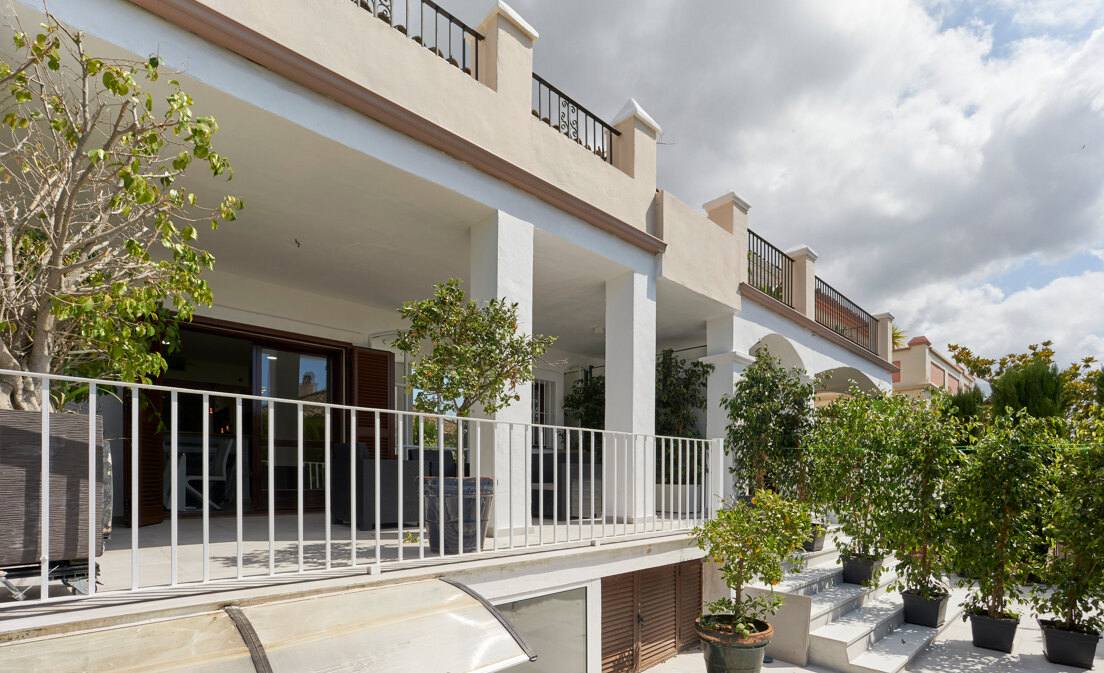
(552, 107)
(845, 317)
(432, 27)
(769, 269)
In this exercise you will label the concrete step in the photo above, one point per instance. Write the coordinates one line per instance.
(837, 643)
(806, 582)
(836, 601)
(874, 638)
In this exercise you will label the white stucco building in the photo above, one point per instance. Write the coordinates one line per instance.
(380, 150)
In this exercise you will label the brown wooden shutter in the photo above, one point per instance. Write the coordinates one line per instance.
(658, 626)
(151, 459)
(619, 624)
(372, 385)
(689, 603)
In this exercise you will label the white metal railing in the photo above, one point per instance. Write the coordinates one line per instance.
(576, 486)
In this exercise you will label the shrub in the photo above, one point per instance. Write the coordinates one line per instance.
(752, 540)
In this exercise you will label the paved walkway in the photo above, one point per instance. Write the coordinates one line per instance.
(951, 653)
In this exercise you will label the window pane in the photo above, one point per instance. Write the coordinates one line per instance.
(555, 627)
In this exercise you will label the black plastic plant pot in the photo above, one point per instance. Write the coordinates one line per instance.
(925, 611)
(727, 652)
(860, 569)
(453, 497)
(816, 538)
(1072, 648)
(992, 633)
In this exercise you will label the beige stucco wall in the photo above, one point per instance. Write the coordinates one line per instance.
(914, 366)
(701, 255)
(495, 113)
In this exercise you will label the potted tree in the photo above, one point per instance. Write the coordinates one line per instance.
(922, 458)
(464, 354)
(770, 412)
(848, 451)
(1074, 577)
(749, 539)
(680, 396)
(1000, 489)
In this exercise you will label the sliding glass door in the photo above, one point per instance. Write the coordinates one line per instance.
(297, 377)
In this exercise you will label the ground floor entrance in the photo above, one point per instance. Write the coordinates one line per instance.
(648, 616)
(236, 359)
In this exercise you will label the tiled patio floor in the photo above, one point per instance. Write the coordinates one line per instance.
(155, 552)
(951, 653)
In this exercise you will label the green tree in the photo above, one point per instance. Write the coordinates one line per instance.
(923, 457)
(680, 394)
(466, 353)
(850, 446)
(90, 163)
(1098, 388)
(1074, 574)
(769, 413)
(997, 500)
(752, 540)
(586, 401)
(1037, 387)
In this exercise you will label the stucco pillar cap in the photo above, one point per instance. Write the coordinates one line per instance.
(633, 109)
(725, 199)
(803, 251)
(884, 316)
(510, 14)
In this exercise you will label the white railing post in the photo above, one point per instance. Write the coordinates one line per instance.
(327, 470)
(299, 482)
(135, 409)
(206, 474)
(239, 447)
(92, 479)
(271, 488)
(352, 488)
(44, 513)
(174, 477)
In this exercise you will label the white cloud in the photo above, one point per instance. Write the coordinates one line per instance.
(918, 157)
(1068, 310)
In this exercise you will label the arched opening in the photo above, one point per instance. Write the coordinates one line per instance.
(840, 381)
(781, 348)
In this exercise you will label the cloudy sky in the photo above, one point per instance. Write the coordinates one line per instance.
(945, 158)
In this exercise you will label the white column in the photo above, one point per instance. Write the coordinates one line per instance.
(723, 351)
(630, 392)
(502, 267)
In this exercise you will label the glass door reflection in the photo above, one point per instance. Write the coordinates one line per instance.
(296, 377)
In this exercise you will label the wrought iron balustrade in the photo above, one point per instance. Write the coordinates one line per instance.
(769, 269)
(429, 25)
(553, 107)
(845, 317)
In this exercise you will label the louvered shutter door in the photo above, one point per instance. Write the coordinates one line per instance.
(658, 627)
(618, 624)
(373, 386)
(689, 603)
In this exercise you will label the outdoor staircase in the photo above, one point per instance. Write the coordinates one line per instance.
(846, 627)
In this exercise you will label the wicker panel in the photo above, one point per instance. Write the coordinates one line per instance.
(20, 487)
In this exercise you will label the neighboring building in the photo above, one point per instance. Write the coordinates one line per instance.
(381, 150)
(923, 369)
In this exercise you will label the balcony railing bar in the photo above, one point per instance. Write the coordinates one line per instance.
(769, 269)
(567, 116)
(460, 55)
(843, 316)
(624, 455)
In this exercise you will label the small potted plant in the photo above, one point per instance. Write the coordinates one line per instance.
(849, 455)
(922, 459)
(1000, 490)
(1074, 577)
(749, 539)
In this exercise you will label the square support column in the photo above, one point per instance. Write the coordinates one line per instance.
(885, 336)
(804, 281)
(723, 352)
(630, 393)
(502, 267)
